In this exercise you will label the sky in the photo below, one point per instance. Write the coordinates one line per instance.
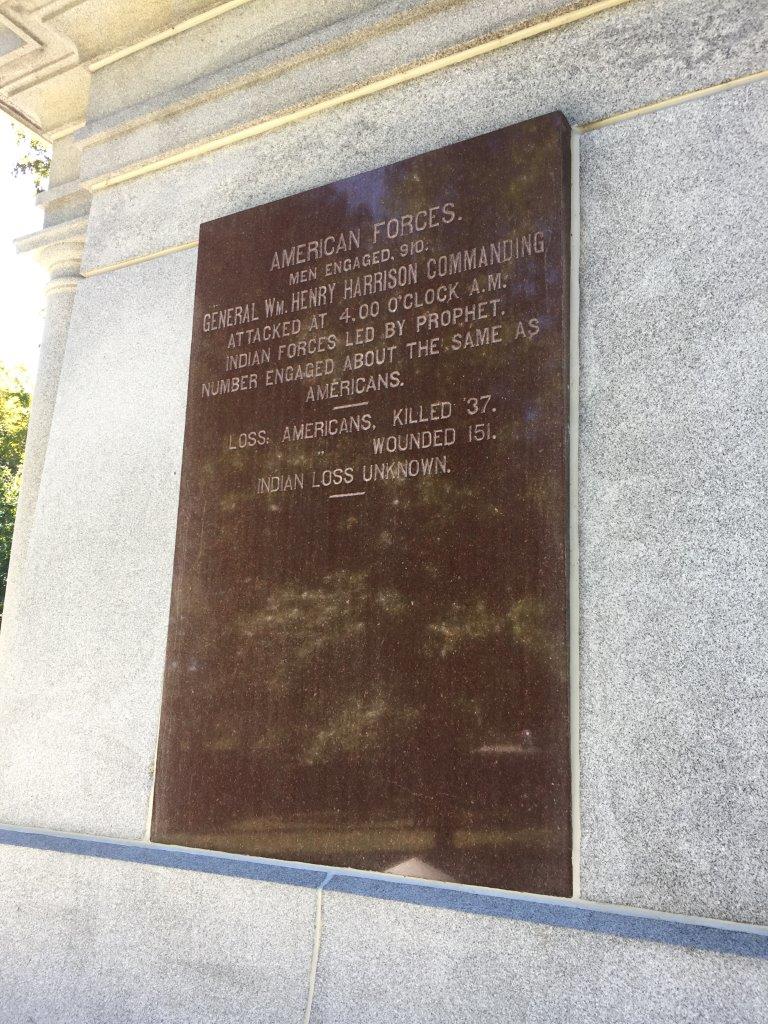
(22, 281)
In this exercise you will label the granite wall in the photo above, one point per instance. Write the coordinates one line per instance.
(670, 585)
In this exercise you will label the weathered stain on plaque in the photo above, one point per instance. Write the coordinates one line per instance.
(367, 656)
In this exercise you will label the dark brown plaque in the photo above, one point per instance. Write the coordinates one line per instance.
(367, 659)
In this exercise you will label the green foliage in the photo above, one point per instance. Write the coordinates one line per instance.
(35, 159)
(14, 417)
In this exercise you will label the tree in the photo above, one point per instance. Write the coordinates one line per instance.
(34, 159)
(14, 417)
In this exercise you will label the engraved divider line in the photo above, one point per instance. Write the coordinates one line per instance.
(568, 16)
(591, 126)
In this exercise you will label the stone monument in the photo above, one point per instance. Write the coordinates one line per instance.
(385, 637)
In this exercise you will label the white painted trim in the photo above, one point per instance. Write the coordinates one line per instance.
(673, 101)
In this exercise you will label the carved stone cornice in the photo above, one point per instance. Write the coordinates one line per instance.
(49, 50)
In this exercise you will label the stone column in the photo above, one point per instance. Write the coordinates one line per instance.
(59, 249)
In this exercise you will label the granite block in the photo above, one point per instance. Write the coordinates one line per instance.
(611, 62)
(673, 521)
(81, 674)
(261, 40)
(391, 960)
(226, 40)
(88, 939)
(95, 930)
(296, 69)
(571, 914)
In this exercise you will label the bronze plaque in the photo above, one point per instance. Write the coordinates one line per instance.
(367, 660)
